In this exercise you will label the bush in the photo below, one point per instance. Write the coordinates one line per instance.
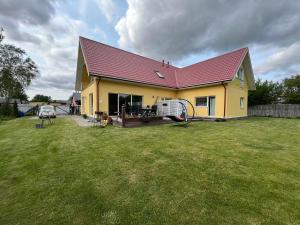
(8, 110)
(5, 109)
(15, 111)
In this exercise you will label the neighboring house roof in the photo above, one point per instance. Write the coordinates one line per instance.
(76, 99)
(110, 62)
(76, 96)
(11, 100)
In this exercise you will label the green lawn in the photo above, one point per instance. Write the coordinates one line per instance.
(236, 172)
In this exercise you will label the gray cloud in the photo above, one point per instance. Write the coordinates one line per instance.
(29, 11)
(175, 29)
(50, 37)
(14, 14)
(61, 81)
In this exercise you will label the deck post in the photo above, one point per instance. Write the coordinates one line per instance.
(123, 115)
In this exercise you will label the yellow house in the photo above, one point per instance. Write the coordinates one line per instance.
(109, 77)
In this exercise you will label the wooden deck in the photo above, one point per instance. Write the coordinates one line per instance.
(138, 121)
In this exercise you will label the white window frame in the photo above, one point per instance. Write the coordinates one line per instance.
(242, 102)
(201, 106)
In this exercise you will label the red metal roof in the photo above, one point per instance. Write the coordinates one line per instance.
(217, 69)
(106, 61)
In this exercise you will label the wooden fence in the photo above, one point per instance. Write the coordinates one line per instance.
(276, 110)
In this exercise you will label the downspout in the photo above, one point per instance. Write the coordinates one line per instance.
(225, 97)
(97, 94)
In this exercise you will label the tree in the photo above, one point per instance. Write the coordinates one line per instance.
(41, 98)
(292, 89)
(16, 71)
(19, 93)
(5, 109)
(267, 92)
(15, 111)
(1, 34)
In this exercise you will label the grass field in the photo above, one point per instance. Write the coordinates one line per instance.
(236, 172)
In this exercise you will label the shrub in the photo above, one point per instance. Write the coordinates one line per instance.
(8, 110)
(5, 109)
(15, 111)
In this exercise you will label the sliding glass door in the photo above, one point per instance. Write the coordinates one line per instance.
(131, 102)
(125, 100)
(137, 103)
(113, 104)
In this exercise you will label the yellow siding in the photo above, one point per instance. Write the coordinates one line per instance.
(153, 94)
(85, 106)
(85, 80)
(191, 94)
(88, 87)
(150, 94)
(234, 93)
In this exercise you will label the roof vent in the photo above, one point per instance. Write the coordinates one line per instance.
(163, 62)
(168, 64)
(159, 74)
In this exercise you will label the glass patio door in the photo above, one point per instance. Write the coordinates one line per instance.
(133, 103)
(125, 99)
(113, 104)
(137, 103)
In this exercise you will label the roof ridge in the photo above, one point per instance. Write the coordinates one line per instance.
(215, 57)
(98, 42)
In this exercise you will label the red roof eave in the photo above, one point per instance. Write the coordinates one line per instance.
(131, 81)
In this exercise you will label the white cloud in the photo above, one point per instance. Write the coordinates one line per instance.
(284, 59)
(108, 9)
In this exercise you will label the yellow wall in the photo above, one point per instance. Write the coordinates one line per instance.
(191, 94)
(150, 94)
(234, 93)
(90, 89)
(153, 94)
(85, 80)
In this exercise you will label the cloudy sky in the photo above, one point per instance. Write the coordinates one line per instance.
(182, 32)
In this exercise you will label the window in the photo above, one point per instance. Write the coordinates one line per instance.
(159, 74)
(201, 101)
(91, 104)
(241, 75)
(83, 105)
(241, 102)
